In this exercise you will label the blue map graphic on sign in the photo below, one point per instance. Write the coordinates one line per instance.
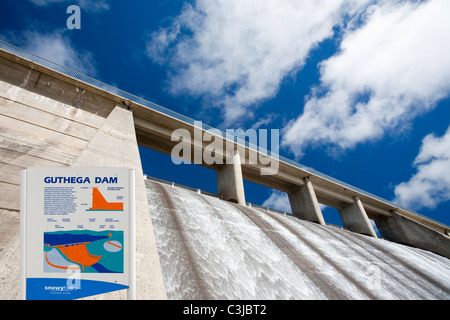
(84, 250)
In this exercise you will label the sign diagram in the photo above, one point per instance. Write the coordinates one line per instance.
(77, 230)
(100, 204)
(95, 252)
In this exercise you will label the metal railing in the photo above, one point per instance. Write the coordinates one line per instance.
(128, 96)
(249, 204)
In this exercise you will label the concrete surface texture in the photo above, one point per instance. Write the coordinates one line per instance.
(304, 204)
(354, 217)
(214, 249)
(230, 184)
(35, 132)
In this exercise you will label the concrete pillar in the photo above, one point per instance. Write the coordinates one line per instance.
(403, 230)
(230, 184)
(304, 204)
(115, 145)
(354, 218)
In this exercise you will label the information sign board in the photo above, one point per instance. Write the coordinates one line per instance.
(77, 232)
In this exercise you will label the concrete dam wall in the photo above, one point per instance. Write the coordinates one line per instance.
(214, 249)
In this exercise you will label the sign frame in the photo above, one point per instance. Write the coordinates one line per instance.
(69, 215)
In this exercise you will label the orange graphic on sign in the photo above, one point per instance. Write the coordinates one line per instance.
(78, 253)
(100, 203)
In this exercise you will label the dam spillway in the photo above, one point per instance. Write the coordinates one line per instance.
(213, 249)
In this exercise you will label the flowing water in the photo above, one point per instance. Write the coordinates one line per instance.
(213, 249)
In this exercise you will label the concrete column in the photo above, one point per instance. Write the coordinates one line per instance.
(115, 145)
(355, 219)
(403, 230)
(230, 183)
(304, 204)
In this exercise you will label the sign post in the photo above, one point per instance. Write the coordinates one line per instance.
(77, 229)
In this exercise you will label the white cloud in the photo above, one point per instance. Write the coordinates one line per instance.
(431, 184)
(160, 41)
(236, 53)
(94, 5)
(279, 201)
(388, 71)
(58, 48)
(264, 120)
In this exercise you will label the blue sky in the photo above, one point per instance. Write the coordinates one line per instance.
(360, 89)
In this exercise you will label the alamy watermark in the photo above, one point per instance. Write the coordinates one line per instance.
(74, 277)
(373, 280)
(212, 146)
(73, 281)
(74, 20)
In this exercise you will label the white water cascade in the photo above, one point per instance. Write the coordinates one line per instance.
(213, 249)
